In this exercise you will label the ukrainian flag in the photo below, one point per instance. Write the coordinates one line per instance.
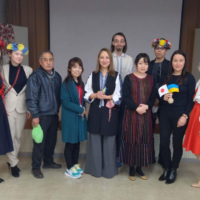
(173, 88)
(104, 90)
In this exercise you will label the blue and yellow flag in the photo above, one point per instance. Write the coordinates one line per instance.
(104, 89)
(173, 88)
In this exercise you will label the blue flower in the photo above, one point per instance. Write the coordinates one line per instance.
(14, 47)
(25, 50)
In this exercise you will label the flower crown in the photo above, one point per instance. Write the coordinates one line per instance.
(162, 42)
(16, 47)
(2, 44)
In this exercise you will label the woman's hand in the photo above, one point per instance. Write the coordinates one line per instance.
(146, 107)
(156, 103)
(141, 110)
(84, 112)
(100, 95)
(28, 115)
(182, 121)
(167, 96)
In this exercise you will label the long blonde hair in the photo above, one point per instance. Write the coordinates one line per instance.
(111, 70)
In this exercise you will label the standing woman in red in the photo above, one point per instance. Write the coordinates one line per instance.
(192, 137)
(5, 135)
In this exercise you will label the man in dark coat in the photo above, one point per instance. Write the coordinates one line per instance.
(43, 102)
(158, 68)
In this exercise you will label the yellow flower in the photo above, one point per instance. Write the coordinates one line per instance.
(9, 47)
(162, 42)
(20, 47)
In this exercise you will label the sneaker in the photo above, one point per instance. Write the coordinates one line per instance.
(72, 172)
(119, 164)
(77, 166)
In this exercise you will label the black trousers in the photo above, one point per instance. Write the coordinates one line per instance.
(119, 135)
(168, 123)
(71, 154)
(45, 150)
(154, 118)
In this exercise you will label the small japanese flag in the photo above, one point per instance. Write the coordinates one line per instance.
(163, 90)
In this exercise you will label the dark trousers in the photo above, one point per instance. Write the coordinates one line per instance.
(154, 118)
(168, 123)
(119, 135)
(71, 154)
(45, 150)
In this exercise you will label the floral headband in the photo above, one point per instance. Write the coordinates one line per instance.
(162, 42)
(2, 44)
(16, 47)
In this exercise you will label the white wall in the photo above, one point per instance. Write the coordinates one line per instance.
(82, 28)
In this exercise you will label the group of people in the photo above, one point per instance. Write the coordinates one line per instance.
(124, 105)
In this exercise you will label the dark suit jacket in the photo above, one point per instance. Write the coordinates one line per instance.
(164, 70)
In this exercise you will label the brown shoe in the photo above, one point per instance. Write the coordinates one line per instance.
(37, 173)
(142, 177)
(132, 178)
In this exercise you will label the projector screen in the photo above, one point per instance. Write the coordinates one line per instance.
(81, 28)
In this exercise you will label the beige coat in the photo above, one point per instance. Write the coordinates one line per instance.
(12, 99)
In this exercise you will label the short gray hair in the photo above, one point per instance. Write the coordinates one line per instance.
(45, 51)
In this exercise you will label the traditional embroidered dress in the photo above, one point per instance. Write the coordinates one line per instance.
(137, 134)
(192, 137)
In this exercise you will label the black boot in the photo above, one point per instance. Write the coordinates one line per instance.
(1, 180)
(10, 166)
(172, 176)
(165, 175)
(15, 171)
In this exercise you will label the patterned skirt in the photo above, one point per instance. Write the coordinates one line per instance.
(137, 139)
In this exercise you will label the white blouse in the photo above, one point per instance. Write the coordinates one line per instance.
(117, 95)
(197, 96)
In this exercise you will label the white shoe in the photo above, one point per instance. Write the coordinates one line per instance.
(72, 172)
(77, 166)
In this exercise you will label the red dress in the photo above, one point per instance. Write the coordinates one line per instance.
(192, 137)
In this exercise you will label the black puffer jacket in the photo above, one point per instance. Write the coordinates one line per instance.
(43, 93)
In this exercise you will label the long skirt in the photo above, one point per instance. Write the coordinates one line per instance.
(192, 135)
(6, 144)
(101, 156)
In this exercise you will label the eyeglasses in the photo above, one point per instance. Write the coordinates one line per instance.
(161, 48)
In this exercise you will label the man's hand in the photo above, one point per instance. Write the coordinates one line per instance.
(35, 121)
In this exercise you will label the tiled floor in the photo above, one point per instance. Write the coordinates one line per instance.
(56, 186)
